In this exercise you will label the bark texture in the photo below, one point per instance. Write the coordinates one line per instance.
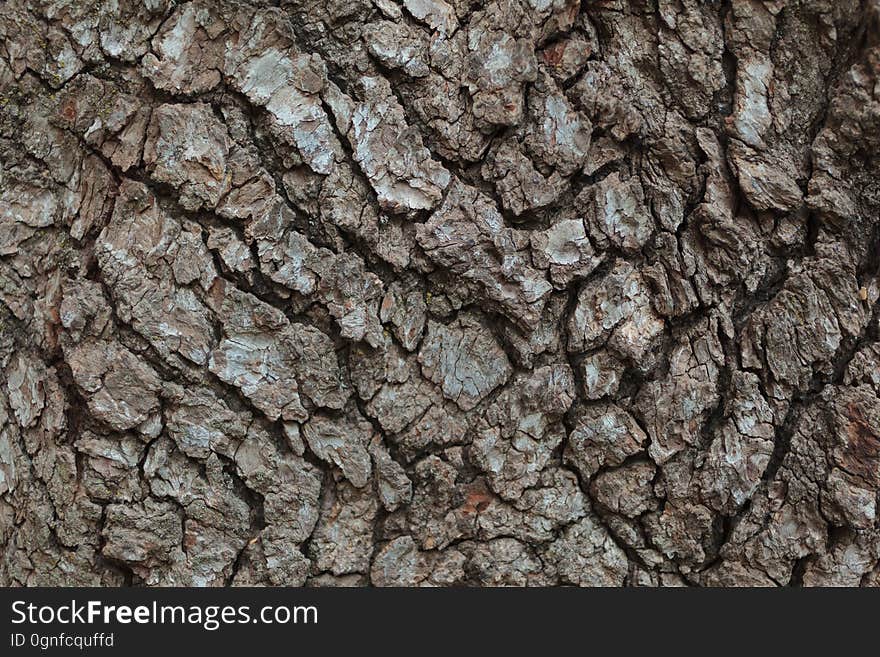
(440, 292)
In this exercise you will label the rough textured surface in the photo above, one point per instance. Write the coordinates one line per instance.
(440, 292)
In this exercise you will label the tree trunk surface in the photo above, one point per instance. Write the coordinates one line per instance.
(440, 292)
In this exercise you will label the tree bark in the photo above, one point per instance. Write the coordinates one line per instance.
(440, 292)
